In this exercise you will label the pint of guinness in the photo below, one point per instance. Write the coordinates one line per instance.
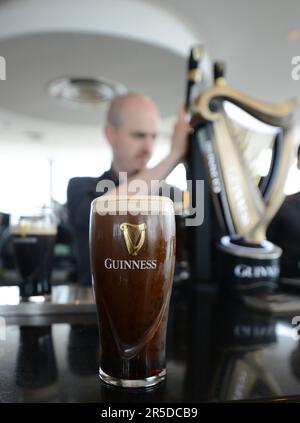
(132, 247)
(33, 241)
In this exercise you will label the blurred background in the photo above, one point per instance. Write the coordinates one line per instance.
(65, 59)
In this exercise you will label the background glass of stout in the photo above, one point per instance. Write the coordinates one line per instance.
(33, 236)
(132, 303)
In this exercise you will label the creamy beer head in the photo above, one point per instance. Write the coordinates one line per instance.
(33, 238)
(25, 227)
(142, 204)
(36, 221)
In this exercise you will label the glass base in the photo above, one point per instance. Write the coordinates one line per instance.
(133, 383)
(36, 298)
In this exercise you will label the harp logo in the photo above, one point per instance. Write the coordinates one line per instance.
(134, 236)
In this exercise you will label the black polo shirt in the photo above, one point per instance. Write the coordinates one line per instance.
(81, 192)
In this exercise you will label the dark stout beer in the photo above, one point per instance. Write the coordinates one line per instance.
(132, 259)
(33, 241)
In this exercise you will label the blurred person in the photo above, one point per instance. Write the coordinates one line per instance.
(284, 231)
(131, 128)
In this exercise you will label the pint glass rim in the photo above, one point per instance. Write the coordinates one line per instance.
(156, 203)
(31, 226)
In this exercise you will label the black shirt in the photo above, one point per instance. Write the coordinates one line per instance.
(284, 231)
(81, 192)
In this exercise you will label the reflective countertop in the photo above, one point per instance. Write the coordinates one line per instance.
(217, 350)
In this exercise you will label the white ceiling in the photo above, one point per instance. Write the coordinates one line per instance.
(35, 60)
(141, 44)
(251, 36)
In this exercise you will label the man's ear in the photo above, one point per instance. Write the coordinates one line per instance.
(109, 132)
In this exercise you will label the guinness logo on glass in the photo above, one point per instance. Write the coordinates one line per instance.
(134, 236)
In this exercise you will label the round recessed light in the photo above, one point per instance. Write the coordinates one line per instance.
(84, 91)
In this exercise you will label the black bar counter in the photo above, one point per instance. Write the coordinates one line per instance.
(217, 350)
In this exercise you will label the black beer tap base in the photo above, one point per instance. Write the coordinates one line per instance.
(248, 269)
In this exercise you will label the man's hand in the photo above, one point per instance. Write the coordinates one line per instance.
(180, 137)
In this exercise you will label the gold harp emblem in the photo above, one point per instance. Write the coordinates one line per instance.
(134, 236)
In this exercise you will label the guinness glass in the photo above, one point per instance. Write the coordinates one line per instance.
(132, 246)
(33, 240)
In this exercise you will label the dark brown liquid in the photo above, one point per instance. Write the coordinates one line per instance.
(33, 255)
(132, 304)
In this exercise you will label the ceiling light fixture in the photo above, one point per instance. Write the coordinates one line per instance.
(84, 91)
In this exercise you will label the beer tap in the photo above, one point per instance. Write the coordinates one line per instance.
(194, 73)
(230, 131)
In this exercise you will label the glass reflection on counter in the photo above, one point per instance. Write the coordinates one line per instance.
(241, 339)
(83, 349)
(36, 371)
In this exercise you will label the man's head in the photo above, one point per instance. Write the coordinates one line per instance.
(131, 128)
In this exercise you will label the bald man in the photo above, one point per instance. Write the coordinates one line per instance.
(132, 126)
